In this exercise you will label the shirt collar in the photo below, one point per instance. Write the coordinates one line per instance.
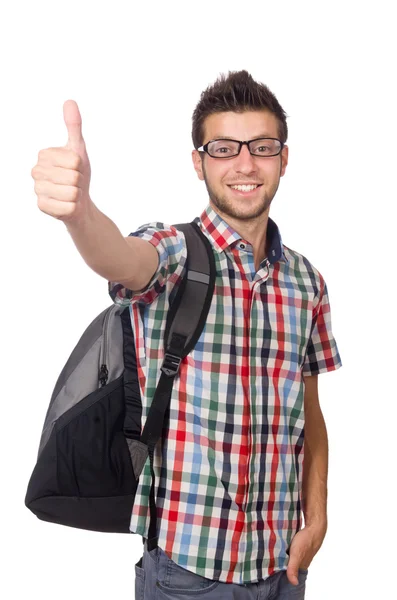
(223, 235)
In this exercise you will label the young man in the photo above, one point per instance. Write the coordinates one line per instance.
(230, 482)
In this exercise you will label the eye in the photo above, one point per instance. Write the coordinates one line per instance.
(222, 150)
(265, 147)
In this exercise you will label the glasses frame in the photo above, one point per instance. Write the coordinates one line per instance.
(241, 144)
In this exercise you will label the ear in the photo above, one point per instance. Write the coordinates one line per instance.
(197, 163)
(284, 160)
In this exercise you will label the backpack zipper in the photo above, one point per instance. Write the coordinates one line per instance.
(103, 371)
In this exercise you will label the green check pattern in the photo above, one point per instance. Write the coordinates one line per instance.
(229, 466)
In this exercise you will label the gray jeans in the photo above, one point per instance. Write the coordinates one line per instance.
(157, 577)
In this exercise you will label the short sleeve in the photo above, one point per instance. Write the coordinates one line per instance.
(171, 247)
(322, 352)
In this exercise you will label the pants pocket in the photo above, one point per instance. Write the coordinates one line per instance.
(180, 580)
(139, 580)
(288, 591)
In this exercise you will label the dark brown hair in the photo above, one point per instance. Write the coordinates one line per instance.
(237, 92)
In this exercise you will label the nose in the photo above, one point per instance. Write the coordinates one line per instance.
(245, 162)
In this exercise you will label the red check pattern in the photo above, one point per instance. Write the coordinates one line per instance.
(229, 466)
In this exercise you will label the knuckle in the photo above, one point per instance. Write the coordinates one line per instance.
(41, 204)
(67, 211)
(76, 194)
(70, 194)
(38, 188)
(43, 154)
(76, 179)
(76, 161)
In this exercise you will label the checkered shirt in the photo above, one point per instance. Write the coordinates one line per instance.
(229, 470)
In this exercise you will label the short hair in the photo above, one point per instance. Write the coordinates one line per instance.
(237, 92)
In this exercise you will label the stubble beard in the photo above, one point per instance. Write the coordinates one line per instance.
(226, 206)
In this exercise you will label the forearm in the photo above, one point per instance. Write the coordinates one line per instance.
(101, 245)
(315, 472)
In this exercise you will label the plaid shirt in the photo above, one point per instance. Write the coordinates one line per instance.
(229, 470)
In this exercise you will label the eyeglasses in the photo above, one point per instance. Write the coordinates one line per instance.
(230, 148)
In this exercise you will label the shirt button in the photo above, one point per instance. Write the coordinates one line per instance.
(242, 246)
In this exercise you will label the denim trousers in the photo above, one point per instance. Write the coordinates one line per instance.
(157, 577)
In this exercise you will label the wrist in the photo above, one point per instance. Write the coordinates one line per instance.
(82, 217)
(318, 527)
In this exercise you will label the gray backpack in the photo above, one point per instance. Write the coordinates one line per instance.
(92, 449)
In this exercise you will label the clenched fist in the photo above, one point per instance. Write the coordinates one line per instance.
(62, 175)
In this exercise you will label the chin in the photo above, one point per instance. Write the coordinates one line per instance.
(239, 210)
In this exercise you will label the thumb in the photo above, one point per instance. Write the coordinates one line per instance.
(72, 117)
(292, 570)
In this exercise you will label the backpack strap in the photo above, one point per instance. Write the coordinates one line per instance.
(185, 321)
(189, 310)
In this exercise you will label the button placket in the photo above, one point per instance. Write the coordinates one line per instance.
(262, 278)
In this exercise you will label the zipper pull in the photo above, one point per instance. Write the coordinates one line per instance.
(103, 375)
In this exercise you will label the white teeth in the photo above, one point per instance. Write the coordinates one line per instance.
(244, 188)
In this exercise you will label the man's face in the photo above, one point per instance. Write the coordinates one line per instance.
(221, 173)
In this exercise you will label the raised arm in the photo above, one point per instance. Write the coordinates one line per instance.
(62, 180)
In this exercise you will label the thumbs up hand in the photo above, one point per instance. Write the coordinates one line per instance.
(62, 175)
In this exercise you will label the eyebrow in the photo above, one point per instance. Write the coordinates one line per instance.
(228, 137)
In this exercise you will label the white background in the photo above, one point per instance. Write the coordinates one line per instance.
(137, 72)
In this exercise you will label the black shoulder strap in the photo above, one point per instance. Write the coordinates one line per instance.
(185, 322)
(189, 310)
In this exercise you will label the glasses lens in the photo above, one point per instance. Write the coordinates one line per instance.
(265, 147)
(223, 148)
(228, 148)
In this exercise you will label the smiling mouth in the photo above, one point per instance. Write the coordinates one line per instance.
(245, 190)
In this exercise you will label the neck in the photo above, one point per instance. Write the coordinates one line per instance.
(253, 231)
